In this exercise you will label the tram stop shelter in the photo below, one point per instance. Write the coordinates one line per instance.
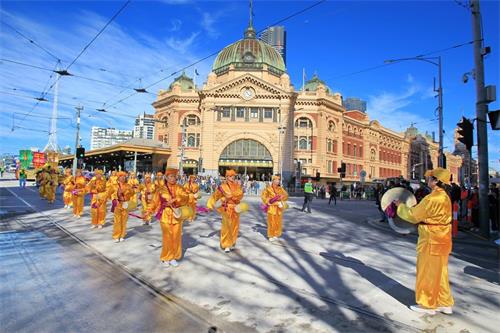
(137, 154)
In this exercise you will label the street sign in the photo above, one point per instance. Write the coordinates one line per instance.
(362, 174)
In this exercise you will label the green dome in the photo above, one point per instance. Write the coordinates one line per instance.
(312, 84)
(186, 83)
(249, 53)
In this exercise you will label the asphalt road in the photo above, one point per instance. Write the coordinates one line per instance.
(51, 282)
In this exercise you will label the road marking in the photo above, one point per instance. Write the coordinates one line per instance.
(24, 201)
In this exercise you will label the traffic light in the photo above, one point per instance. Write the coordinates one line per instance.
(466, 130)
(341, 170)
(80, 152)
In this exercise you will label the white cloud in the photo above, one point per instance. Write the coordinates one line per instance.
(175, 25)
(208, 22)
(123, 55)
(182, 45)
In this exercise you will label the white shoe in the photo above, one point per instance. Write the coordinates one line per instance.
(445, 309)
(227, 250)
(272, 239)
(65, 206)
(122, 239)
(166, 263)
(116, 240)
(174, 263)
(420, 309)
(99, 226)
(93, 226)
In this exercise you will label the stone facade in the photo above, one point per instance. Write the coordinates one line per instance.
(248, 116)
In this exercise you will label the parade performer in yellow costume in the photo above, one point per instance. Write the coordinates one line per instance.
(97, 188)
(147, 194)
(78, 193)
(121, 194)
(40, 179)
(134, 183)
(433, 215)
(51, 185)
(274, 198)
(193, 190)
(167, 200)
(230, 195)
(68, 188)
(159, 181)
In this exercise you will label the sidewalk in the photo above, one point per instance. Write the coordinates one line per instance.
(327, 275)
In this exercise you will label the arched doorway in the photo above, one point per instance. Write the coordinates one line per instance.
(190, 167)
(248, 157)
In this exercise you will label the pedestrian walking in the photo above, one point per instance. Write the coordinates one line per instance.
(22, 178)
(308, 195)
(433, 216)
(147, 190)
(99, 196)
(193, 191)
(333, 194)
(78, 193)
(120, 195)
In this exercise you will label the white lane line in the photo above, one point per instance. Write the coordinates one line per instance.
(24, 201)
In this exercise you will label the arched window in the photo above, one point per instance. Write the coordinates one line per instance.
(192, 120)
(331, 126)
(372, 154)
(164, 122)
(303, 122)
(303, 143)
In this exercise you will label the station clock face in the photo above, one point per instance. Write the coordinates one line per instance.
(247, 93)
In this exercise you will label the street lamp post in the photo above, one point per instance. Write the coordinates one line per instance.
(281, 130)
(436, 61)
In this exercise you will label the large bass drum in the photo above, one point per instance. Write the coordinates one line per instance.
(396, 223)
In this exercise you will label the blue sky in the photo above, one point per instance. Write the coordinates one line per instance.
(152, 39)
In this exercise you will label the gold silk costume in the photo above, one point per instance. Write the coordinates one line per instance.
(230, 218)
(274, 197)
(79, 195)
(433, 215)
(97, 188)
(193, 190)
(171, 226)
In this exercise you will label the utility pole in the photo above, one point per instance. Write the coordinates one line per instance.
(78, 110)
(481, 111)
(440, 115)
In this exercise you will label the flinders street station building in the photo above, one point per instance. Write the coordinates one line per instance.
(249, 117)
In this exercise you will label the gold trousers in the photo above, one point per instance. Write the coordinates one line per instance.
(229, 229)
(432, 288)
(120, 223)
(68, 201)
(78, 201)
(171, 241)
(274, 225)
(98, 215)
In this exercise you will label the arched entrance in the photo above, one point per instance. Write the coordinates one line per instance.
(190, 167)
(248, 157)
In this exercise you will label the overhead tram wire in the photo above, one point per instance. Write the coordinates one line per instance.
(32, 41)
(218, 51)
(368, 69)
(83, 50)
(64, 71)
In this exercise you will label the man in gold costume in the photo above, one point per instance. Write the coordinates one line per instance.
(78, 193)
(120, 194)
(193, 190)
(230, 194)
(147, 190)
(97, 188)
(68, 188)
(167, 200)
(433, 215)
(274, 198)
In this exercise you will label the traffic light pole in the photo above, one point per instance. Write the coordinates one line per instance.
(78, 110)
(481, 111)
